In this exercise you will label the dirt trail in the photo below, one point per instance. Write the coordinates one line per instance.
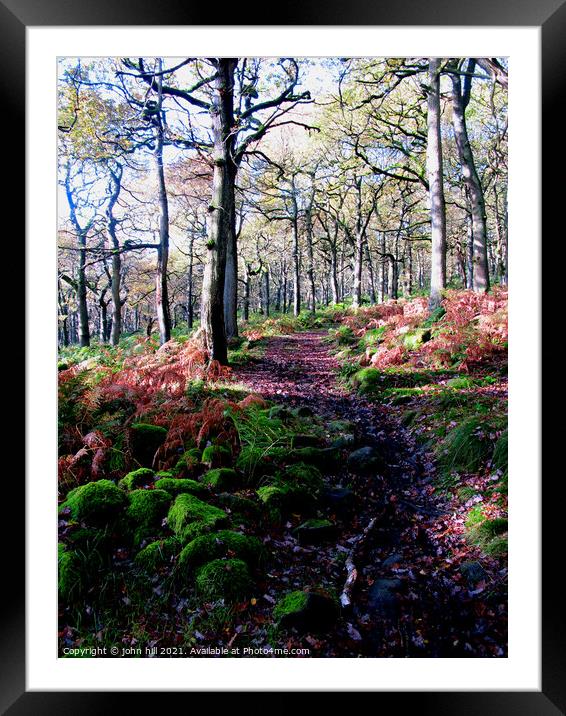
(412, 598)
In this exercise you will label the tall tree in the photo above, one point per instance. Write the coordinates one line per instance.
(460, 98)
(436, 185)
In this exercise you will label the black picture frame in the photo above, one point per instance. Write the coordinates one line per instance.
(15, 16)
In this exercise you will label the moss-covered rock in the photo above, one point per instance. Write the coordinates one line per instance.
(177, 485)
(227, 579)
(216, 456)
(367, 381)
(157, 554)
(96, 502)
(148, 507)
(221, 478)
(137, 478)
(189, 516)
(306, 611)
(215, 545)
(146, 440)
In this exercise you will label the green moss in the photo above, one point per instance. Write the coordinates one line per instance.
(177, 485)
(188, 515)
(148, 430)
(216, 455)
(221, 478)
(96, 502)
(145, 440)
(71, 580)
(227, 579)
(220, 544)
(414, 339)
(138, 478)
(157, 554)
(367, 381)
(271, 495)
(475, 516)
(487, 534)
(148, 507)
(290, 604)
(460, 383)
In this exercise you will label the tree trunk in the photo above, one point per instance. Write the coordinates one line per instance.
(265, 297)
(161, 292)
(334, 274)
(103, 328)
(190, 307)
(436, 187)
(369, 262)
(231, 282)
(296, 256)
(221, 212)
(357, 274)
(284, 291)
(247, 298)
(84, 332)
(473, 185)
(384, 269)
(116, 259)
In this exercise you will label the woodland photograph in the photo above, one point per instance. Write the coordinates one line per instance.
(282, 357)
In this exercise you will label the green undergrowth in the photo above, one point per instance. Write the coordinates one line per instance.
(446, 382)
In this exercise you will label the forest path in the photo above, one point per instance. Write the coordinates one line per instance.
(411, 597)
(297, 369)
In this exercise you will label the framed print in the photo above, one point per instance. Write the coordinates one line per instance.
(225, 495)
